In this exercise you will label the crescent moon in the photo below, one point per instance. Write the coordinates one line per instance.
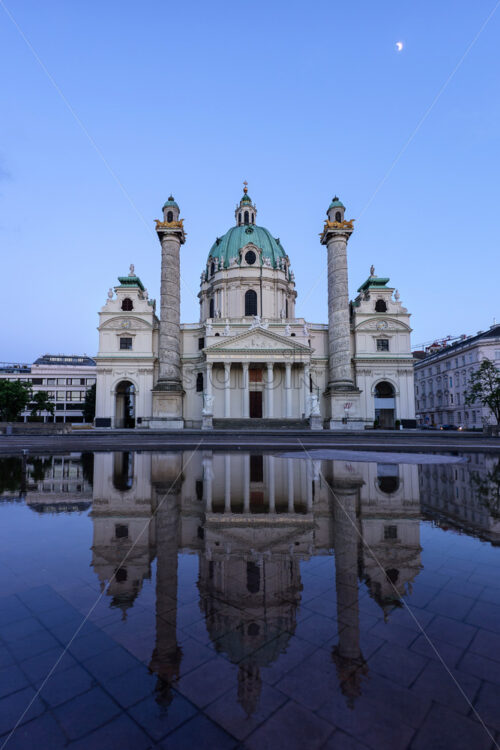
(399, 46)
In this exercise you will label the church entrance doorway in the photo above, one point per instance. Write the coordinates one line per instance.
(255, 404)
(385, 405)
(125, 405)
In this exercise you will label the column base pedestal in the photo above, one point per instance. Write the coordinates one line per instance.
(207, 422)
(167, 407)
(345, 409)
(316, 422)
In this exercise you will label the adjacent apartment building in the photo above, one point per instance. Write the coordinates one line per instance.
(66, 378)
(442, 375)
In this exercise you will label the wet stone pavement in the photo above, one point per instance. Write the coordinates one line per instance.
(216, 600)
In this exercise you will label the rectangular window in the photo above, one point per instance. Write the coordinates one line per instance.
(51, 381)
(382, 345)
(121, 531)
(451, 382)
(255, 376)
(61, 395)
(201, 342)
(125, 343)
(497, 355)
(37, 381)
(61, 381)
(448, 365)
(390, 532)
(90, 381)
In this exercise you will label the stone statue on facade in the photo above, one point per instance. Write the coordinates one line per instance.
(397, 295)
(255, 322)
(305, 330)
(208, 405)
(132, 270)
(110, 293)
(208, 329)
(288, 330)
(372, 270)
(227, 331)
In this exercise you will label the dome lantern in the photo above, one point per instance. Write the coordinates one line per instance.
(246, 211)
(170, 210)
(336, 210)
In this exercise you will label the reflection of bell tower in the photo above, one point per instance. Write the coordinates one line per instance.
(167, 655)
(351, 666)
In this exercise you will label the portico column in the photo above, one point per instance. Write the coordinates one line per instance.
(309, 481)
(269, 389)
(207, 481)
(270, 478)
(245, 410)
(288, 389)
(227, 389)
(307, 405)
(289, 467)
(208, 385)
(246, 484)
(227, 483)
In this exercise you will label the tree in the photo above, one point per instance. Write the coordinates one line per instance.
(485, 388)
(14, 396)
(41, 402)
(89, 405)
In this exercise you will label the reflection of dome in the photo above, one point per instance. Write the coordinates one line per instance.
(250, 614)
(229, 245)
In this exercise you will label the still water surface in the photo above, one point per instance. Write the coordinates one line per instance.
(211, 600)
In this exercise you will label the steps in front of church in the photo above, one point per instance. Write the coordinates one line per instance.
(261, 424)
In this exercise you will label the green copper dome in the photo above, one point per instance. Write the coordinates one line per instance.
(228, 246)
(170, 202)
(246, 198)
(336, 203)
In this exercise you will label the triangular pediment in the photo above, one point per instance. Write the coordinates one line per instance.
(258, 339)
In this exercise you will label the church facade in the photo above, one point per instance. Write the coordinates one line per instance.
(250, 357)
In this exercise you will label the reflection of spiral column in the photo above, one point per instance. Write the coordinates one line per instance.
(351, 666)
(166, 659)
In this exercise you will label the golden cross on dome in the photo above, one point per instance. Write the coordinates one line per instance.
(245, 189)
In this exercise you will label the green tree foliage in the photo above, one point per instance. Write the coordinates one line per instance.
(41, 402)
(89, 405)
(11, 474)
(14, 395)
(485, 388)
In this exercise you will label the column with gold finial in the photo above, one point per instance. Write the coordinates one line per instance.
(168, 392)
(341, 391)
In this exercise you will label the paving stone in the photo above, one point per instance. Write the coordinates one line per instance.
(31, 646)
(6, 658)
(341, 741)
(161, 714)
(54, 661)
(457, 633)
(486, 644)
(13, 708)
(12, 679)
(206, 683)
(485, 615)
(370, 722)
(297, 650)
(311, 682)
(451, 655)
(317, 629)
(121, 733)
(440, 685)
(42, 599)
(15, 631)
(199, 733)
(43, 732)
(109, 664)
(293, 727)
(85, 713)
(12, 610)
(397, 664)
(405, 706)
(444, 729)
(63, 686)
(228, 712)
(480, 666)
(487, 705)
(132, 687)
(90, 644)
(397, 634)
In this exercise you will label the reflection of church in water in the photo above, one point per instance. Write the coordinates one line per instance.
(252, 520)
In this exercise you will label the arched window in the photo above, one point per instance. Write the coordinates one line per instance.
(170, 216)
(380, 306)
(286, 309)
(253, 218)
(338, 216)
(199, 383)
(212, 309)
(212, 269)
(246, 217)
(127, 304)
(251, 302)
(384, 390)
(239, 218)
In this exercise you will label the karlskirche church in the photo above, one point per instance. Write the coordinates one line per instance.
(250, 358)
